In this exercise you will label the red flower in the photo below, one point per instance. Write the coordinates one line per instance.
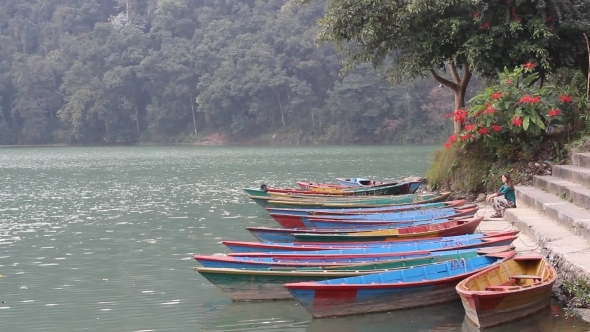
(459, 115)
(508, 81)
(518, 19)
(453, 138)
(469, 127)
(476, 15)
(496, 127)
(548, 19)
(529, 99)
(483, 131)
(529, 65)
(465, 137)
(553, 113)
(447, 145)
(485, 25)
(565, 99)
(490, 110)
(497, 95)
(517, 122)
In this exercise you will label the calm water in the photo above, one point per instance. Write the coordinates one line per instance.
(100, 239)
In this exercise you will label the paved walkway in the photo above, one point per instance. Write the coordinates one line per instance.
(522, 244)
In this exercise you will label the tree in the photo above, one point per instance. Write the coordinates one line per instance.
(414, 38)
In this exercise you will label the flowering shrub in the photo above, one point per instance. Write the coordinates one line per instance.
(513, 109)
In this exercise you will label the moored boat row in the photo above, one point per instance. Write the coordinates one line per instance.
(339, 253)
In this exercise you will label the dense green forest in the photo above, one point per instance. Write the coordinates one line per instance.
(169, 71)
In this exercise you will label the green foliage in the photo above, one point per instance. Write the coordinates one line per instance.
(452, 169)
(488, 35)
(512, 117)
(577, 292)
(94, 72)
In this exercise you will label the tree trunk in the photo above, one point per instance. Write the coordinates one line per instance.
(194, 117)
(458, 86)
(136, 117)
(281, 108)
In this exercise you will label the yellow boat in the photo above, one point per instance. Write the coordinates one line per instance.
(508, 291)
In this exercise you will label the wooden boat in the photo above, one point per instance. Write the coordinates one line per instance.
(320, 223)
(369, 210)
(399, 289)
(449, 228)
(394, 188)
(320, 192)
(348, 253)
(267, 283)
(288, 234)
(310, 185)
(359, 220)
(281, 235)
(376, 202)
(448, 242)
(359, 182)
(370, 256)
(463, 241)
(365, 183)
(508, 291)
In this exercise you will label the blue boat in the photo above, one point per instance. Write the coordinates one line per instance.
(225, 261)
(393, 208)
(349, 222)
(393, 290)
(242, 246)
(269, 234)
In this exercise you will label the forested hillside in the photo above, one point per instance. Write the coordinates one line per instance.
(165, 71)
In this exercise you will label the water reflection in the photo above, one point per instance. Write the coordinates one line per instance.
(289, 316)
(445, 317)
(548, 320)
(258, 316)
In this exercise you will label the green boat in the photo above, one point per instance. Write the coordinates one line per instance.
(392, 189)
(267, 284)
(351, 202)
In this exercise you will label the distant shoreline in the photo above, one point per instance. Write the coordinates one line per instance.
(201, 144)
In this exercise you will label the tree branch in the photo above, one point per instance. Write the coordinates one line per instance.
(454, 72)
(443, 81)
(466, 76)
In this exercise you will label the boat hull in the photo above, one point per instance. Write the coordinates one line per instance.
(267, 284)
(449, 228)
(241, 246)
(393, 290)
(510, 291)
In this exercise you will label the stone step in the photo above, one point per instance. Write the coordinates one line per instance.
(567, 251)
(566, 190)
(567, 214)
(581, 159)
(573, 173)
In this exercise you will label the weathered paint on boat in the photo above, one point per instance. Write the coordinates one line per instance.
(395, 208)
(509, 291)
(327, 204)
(267, 284)
(393, 290)
(288, 234)
(281, 235)
(241, 246)
(448, 228)
(393, 221)
(295, 221)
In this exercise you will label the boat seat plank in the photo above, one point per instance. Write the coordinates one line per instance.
(525, 276)
(501, 288)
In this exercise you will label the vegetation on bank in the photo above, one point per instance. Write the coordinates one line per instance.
(175, 71)
(511, 125)
(577, 294)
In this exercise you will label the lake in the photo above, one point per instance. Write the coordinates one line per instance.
(101, 238)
